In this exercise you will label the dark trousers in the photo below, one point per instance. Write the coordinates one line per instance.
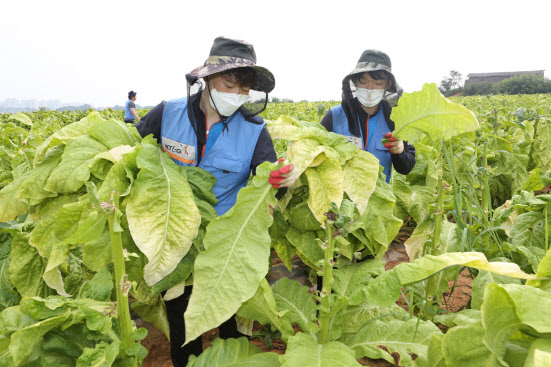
(175, 313)
(129, 121)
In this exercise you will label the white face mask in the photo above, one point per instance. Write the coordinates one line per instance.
(369, 97)
(226, 103)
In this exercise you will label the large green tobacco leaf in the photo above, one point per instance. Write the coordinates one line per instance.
(21, 118)
(8, 296)
(356, 317)
(27, 267)
(482, 280)
(463, 346)
(289, 295)
(539, 353)
(162, 214)
(306, 245)
(518, 305)
(428, 112)
(262, 308)
(237, 247)
(401, 340)
(326, 185)
(46, 329)
(542, 145)
(56, 223)
(304, 351)
(350, 279)
(378, 221)
(234, 353)
(360, 178)
(27, 189)
(67, 133)
(385, 289)
(113, 133)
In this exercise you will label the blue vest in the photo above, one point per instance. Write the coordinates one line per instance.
(375, 146)
(229, 158)
(127, 114)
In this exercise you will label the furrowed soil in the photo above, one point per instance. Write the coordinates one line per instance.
(159, 348)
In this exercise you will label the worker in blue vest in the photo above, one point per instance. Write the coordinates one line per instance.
(363, 117)
(217, 128)
(130, 108)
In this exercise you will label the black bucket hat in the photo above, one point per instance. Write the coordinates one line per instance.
(226, 54)
(373, 60)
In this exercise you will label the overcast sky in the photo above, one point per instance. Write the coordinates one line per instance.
(96, 51)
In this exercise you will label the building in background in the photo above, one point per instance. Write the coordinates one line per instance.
(475, 78)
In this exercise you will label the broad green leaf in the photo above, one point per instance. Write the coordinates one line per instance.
(67, 133)
(8, 296)
(10, 205)
(162, 214)
(302, 218)
(482, 280)
(542, 145)
(23, 341)
(103, 354)
(303, 152)
(378, 221)
(234, 353)
(401, 339)
(385, 289)
(517, 305)
(237, 247)
(262, 308)
(360, 178)
(349, 279)
(32, 188)
(306, 245)
(97, 253)
(326, 185)
(539, 353)
(113, 133)
(47, 237)
(428, 112)
(21, 118)
(304, 351)
(74, 169)
(289, 295)
(358, 316)
(99, 287)
(181, 273)
(27, 267)
(150, 307)
(463, 346)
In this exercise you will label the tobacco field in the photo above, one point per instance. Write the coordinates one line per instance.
(99, 227)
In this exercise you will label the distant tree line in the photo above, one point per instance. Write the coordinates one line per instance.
(525, 84)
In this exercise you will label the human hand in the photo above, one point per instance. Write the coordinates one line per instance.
(393, 145)
(283, 177)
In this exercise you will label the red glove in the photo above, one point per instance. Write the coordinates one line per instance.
(283, 177)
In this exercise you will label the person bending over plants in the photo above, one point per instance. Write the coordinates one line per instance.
(363, 117)
(216, 128)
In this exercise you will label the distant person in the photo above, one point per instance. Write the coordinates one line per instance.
(130, 108)
(364, 119)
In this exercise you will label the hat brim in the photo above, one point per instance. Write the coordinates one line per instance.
(368, 68)
(264, 80)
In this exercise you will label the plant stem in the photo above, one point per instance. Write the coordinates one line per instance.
(123, 311)
(433, 282)
(325, 310)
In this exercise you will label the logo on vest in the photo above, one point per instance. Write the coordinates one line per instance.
(179, 151)
(355, 140)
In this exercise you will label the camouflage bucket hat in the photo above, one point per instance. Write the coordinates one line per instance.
(373, 60)
(226, 54)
